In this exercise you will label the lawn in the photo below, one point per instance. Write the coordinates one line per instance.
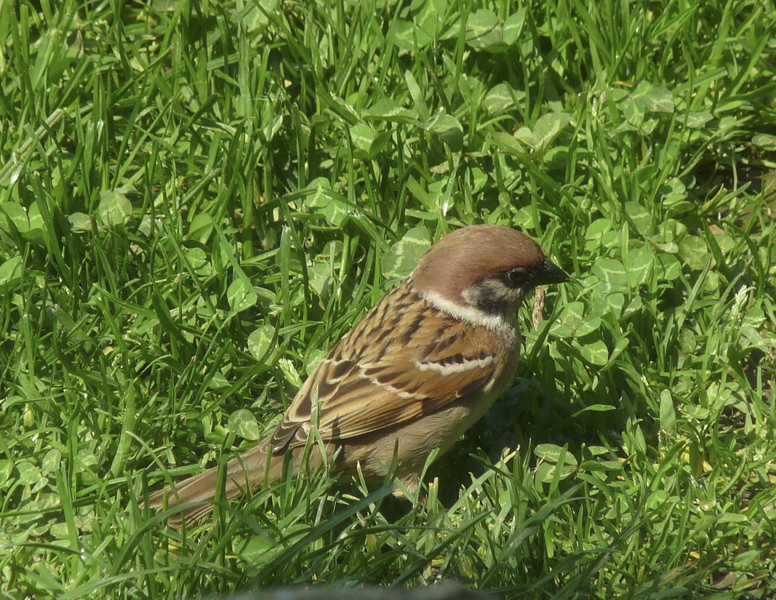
(198, 199)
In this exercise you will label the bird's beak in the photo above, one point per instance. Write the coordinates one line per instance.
(548, 272)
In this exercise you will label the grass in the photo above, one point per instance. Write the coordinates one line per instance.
(198, 199)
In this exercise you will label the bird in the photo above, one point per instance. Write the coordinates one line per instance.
(410, 378)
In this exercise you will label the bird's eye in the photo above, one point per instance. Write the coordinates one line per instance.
(517, 277)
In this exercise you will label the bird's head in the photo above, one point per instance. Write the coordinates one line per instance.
(483, 272)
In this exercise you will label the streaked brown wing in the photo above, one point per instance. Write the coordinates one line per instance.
(361, 388)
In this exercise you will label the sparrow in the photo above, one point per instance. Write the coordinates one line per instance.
(418, 371)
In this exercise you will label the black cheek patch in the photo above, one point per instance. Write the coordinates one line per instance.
(490, 300)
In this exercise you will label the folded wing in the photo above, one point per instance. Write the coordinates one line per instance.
(362, 388)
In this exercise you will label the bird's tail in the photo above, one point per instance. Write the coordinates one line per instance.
(195, 495)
